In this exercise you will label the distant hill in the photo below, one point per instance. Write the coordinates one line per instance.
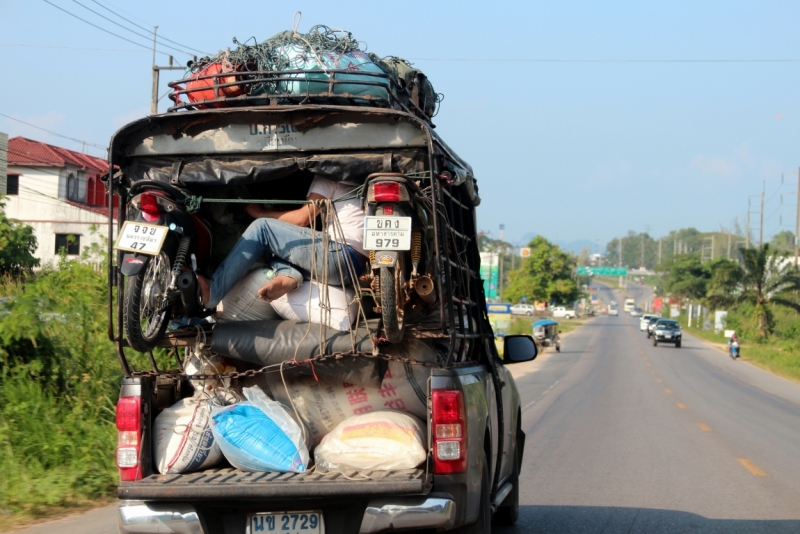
(572, 246)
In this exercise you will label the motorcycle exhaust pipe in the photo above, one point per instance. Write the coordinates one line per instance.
(187, 285)
(424, 288)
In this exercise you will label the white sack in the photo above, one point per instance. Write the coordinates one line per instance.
(184, 442)
(201, 361)
(303, 304)
(377, 441)
(242, 303)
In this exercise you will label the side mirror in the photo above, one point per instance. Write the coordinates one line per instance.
(518, 349)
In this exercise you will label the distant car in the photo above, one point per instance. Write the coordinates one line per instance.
(612, 310)
(667, 331)
(643, 320)
(636, 312)
(651, 323)
(523, 309)
(561, 311)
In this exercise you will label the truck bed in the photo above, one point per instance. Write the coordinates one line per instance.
(230, 483)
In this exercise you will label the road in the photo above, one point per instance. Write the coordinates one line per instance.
(626, 437)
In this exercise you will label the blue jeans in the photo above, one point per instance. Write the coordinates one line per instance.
(288, 249)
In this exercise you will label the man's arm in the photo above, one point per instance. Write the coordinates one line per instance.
(302, 216)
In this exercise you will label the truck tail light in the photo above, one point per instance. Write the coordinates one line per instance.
(149, 207)
(449, 431)
(386, 191)
(129, 438)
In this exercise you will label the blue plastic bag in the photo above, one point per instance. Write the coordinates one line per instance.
(259, 435)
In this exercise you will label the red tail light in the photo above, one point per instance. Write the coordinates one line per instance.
(149, 207)
(386, 191)
(129, 437)
(449, 432)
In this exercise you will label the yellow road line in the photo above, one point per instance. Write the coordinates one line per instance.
(704, 427)
(667, 390)
(682, 406)
(653, 371)
(659, 381)
(753, 468)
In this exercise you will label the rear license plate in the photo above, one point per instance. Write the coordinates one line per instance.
(387, 233)
(141, 237)
(667, 335)
(287, 523)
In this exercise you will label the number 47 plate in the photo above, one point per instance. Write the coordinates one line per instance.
(387, 233)
(141, 237)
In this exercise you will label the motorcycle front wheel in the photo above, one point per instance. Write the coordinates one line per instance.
(393, 301)
(144, 315)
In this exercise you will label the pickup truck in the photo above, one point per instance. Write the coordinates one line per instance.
(566, 313)
(275, 145)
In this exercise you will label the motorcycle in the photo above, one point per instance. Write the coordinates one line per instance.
(164, 246)
(734, 350)
(393, 239)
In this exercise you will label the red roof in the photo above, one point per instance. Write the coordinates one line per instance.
(22, 151)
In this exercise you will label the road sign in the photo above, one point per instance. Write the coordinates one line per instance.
(525, 252)
(602, 271)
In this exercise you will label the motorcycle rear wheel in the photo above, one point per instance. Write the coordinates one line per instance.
(143, 320)
(393, 300)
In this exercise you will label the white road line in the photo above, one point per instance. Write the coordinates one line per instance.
(530, 404)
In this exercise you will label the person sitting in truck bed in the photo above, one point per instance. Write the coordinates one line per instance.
(285, 241)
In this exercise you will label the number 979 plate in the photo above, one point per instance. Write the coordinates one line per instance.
(141, 237)
(387, 233)
(287, 523)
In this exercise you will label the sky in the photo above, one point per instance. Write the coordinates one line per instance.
(581, 119)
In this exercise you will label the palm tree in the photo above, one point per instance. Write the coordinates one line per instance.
(765, 278)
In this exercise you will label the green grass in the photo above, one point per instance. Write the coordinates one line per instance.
(524, 325)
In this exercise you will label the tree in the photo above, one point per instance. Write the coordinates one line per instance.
(765, 278)
(17, 245)
(783, 241)
(547, 275)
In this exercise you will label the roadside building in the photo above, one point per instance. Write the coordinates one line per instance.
(59, 193)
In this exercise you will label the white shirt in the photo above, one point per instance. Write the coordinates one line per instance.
(349, 212)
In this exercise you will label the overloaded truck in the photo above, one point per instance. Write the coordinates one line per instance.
(404, 336)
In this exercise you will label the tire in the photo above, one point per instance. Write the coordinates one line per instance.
(655, 342)
(144, 292)
(508, 512)
(648, 335)
(392, 310)
(677, 344)
(483, 524)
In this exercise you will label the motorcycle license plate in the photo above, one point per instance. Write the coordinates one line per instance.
(287, 523)
(141, 237)
(387, 233)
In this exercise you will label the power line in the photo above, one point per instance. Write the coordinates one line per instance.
(130, 30)
(101, 29)
(143, 28)
(533, 60)
(74, 47)
(95, 145)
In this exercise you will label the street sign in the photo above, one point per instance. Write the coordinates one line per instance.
(602, 271)
(525, 252)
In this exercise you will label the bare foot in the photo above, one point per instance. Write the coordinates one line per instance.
(205, 289)
(277, 287)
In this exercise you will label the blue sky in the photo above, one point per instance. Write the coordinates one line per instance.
(586, 145)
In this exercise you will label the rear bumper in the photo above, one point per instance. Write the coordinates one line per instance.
(436, 510)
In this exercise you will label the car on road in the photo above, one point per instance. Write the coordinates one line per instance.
(643, 320)
(636, 312)
(561, 311)
(651, 323)
(667, 331)
(523, 309)
(613, 310)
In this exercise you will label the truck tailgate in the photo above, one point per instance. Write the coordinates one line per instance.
(229, 483)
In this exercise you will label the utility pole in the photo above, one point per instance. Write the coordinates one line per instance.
(797, 222)
(502, 249)
(729, 245)
(156, 71)
(646, 231)
(713, 240)
(659, 250)
(761, 225)
(747, 227)
(619, 251)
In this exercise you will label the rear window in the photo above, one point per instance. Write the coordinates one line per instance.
(668, 324)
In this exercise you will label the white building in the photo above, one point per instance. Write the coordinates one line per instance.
(59, 193)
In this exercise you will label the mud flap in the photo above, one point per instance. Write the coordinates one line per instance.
(384, 258)
(132, 263)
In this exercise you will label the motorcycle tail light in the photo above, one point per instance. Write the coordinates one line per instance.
(149, 207)
(386, 191)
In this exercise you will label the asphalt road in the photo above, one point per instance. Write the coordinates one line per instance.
(626, 437)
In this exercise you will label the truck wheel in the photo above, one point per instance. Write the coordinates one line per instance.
(143, 321)
(508, 513)
(482, 525)
(677, 344)
(393, 301)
